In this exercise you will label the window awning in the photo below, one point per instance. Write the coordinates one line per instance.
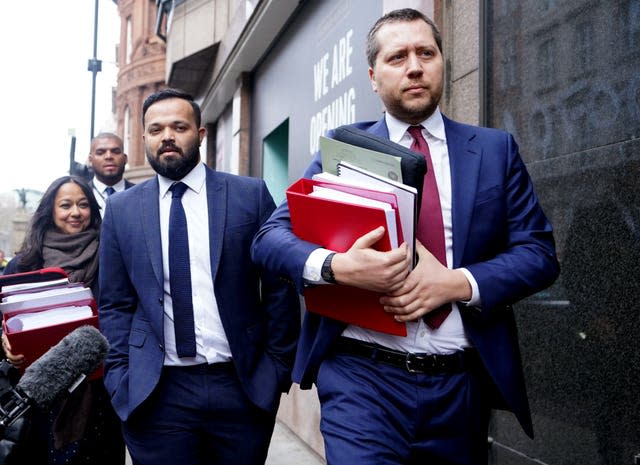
(188, 73)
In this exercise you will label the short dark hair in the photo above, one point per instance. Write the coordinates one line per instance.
(42, 221)
(107, 135)
(171, 93)
(397, 16)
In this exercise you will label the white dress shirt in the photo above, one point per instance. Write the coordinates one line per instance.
(450, 336)
(100, 192)
(212, 345)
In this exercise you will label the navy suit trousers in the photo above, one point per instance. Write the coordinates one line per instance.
(374, 413)
(199, 415)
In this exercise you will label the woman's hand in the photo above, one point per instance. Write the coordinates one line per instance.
(15, 360)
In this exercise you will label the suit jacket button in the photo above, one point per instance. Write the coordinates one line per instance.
(161, 347)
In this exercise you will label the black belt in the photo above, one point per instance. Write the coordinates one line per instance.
(463, 360)
(202, 367)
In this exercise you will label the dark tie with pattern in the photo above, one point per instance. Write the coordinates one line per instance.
(109, 190)
(430, 225)
(180, 275)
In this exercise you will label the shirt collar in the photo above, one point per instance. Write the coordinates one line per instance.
(434, 125)
(100, 186)
(194, 180)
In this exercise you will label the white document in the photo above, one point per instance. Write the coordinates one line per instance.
(37, 285)
(51, 317)
(406, 196)
(41, 294)
(50, 297)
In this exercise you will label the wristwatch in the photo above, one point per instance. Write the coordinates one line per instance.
(326, 272)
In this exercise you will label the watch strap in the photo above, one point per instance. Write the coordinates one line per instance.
(327, 272)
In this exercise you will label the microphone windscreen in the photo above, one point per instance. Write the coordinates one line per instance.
(79, 353)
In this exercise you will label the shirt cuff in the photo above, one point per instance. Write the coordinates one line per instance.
(313, 266)
(475, 300)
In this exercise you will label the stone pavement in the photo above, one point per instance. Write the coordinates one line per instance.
(286, 449)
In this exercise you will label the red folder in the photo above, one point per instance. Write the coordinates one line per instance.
(332, 224)
(336, 226)
(35, 342)
(37, 276)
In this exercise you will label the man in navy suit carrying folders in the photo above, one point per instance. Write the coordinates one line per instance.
(201, 339)
(484, 243)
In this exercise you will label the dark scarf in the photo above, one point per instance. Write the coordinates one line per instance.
(76, 254)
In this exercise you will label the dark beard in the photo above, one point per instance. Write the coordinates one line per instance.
(412, 115)
(177, 168)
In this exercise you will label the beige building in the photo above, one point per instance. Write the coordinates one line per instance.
(141, 70)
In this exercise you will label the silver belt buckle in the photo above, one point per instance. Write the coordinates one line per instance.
(414, 357)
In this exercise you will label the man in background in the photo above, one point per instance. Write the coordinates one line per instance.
(107, 160)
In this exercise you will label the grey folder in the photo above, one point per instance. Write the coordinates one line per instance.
(412, 164)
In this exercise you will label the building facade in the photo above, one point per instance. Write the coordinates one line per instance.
(141, 70)
(273, 75)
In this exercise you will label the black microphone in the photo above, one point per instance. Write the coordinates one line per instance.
(60, 369)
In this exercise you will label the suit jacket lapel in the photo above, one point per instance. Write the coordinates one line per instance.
(150, 212)
(379, 128)
(465, 156)
(216, 200)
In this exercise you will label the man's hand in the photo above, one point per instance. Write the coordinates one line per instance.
(362, 266)
(427, 287)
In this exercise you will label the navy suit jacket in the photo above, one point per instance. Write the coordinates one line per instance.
(500, 234)
(260, 313)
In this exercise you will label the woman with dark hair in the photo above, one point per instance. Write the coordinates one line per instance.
(64, 232)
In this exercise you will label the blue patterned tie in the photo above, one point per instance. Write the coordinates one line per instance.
(109, 190)
(180, 275)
